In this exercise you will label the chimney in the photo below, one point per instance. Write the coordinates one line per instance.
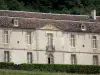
(93, 14)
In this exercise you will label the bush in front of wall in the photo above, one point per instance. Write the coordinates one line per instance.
(85, 69)
(61, 68)
(6, 65)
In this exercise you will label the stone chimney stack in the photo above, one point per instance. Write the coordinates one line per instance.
(93, 14)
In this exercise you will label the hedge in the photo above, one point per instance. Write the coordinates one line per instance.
(4, 65)
(86, 69)
(61, 68)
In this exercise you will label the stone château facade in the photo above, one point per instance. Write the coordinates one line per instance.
(46, 38)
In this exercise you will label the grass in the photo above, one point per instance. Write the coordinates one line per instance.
(21, 72)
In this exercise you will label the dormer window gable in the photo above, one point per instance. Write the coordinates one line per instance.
(15, 23)
(83, 27)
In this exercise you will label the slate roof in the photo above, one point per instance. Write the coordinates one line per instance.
(46, 15)
(35, 20)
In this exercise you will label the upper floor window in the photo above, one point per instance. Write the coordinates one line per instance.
(29, 57)
(50, 39)
(73, 59)
(5, 37)
(15, 22)
(95, 60)
(94, 41)
(72, 40)
(6, 56)
(83, 27)
(28, 35)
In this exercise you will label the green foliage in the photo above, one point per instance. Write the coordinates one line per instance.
(86, 69)
(22, 72)
(61, 68)
(15, 5)
(4, 65)
(53, 6)
(3, 5)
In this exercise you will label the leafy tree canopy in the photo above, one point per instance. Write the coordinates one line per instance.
(53, 6)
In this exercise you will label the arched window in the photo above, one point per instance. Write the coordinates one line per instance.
(50, 59)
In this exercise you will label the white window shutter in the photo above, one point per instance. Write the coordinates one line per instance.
(9, 33)
(75, 41)
(3, 36)
(70, 39)
(10, 56)
(26, 37)
(91, 42)
(31, 37)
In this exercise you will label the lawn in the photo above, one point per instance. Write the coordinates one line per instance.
(21, 72)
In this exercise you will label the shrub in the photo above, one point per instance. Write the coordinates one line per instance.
(52, 67)
(6, 65)
(61, 68)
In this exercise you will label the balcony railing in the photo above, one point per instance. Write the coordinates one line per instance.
(50, 48)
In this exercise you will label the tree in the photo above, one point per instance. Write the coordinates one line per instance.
(3, 5)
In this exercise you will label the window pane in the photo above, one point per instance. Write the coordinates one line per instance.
(73, 40)
(95, 60)
(73, 59)
(29, 57)
(50, 40)
(28, 37)
(5, 36)
(94, 42)
(6, 56)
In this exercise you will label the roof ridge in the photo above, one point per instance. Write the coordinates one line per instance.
(52, 19)
(44, 13)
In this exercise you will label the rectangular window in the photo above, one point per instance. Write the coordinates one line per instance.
(94, 41)
(5, 36)
(50, 40)
(72, 40)
(29, 57)
(28, 37)
(73, 59)
(95, 60)
(6, 56)
(16, 22)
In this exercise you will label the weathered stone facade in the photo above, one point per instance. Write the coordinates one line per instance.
(52, 38)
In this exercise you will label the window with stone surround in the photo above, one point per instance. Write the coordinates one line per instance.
(6, 56)
(94, 42)
(15, 22)
(50, 40)
(73, 41)
(28, 37)
(29, 57)
(83, 27)
(73, 59)
(5, 37)
(95, 60)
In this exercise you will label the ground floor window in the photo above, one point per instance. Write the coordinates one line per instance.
(29, 57)
(73, 59)
(95, 60)
(50, 59)
(6, 56)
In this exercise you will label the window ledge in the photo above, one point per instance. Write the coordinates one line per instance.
(5, 43)
(29, 44)
(73, 47)
(94, 48)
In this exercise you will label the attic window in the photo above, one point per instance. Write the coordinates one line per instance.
(15, 22)
(83, 27)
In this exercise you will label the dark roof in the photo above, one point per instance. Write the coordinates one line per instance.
(65, 25)
(48, 16)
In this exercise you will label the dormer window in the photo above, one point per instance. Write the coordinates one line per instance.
(83, 27)
(15, 22)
